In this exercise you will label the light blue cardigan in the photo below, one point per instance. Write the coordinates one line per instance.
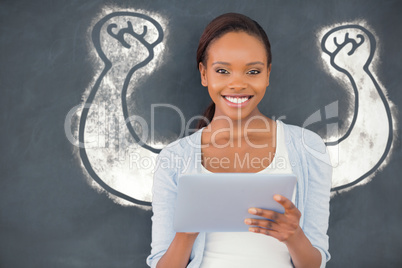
(310, 163)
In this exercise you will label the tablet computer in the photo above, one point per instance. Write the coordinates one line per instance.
(219, 202)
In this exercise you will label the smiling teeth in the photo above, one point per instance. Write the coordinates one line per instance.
(236, 100)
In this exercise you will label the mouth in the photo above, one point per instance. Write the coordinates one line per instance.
(237, 100)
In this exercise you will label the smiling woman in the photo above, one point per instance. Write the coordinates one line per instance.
(235, 23)
(236, 73)
(234, 60)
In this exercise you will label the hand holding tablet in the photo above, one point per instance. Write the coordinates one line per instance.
(219, 202)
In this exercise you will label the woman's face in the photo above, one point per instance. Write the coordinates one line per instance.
(236, 74)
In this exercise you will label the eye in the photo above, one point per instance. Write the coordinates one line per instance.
(222, 71)
(253, 72)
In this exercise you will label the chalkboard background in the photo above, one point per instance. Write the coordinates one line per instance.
(51, 217)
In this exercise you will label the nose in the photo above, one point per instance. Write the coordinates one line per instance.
(237, 82)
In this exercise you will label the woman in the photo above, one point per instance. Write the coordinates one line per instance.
(234, 60)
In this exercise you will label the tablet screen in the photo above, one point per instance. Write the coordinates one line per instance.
(219, 202)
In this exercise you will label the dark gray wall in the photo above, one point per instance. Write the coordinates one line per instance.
(51, 217)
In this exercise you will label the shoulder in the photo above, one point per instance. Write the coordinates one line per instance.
(303, 137)
(172, 160)
(182, 146)
(307, 143)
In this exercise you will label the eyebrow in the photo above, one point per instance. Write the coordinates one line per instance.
(248, 64)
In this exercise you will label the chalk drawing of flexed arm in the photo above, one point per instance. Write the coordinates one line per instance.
(113, 141)
(367, 142)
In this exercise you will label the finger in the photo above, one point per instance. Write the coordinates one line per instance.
(286, 203)
(264, 231)
(266, 213)
(272, 233)
(262, 223)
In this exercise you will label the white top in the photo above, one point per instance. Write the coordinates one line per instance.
(247, 249)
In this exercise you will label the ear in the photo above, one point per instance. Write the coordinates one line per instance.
(203, 73)
(268, 74)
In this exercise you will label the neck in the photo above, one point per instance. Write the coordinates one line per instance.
(254, 123)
